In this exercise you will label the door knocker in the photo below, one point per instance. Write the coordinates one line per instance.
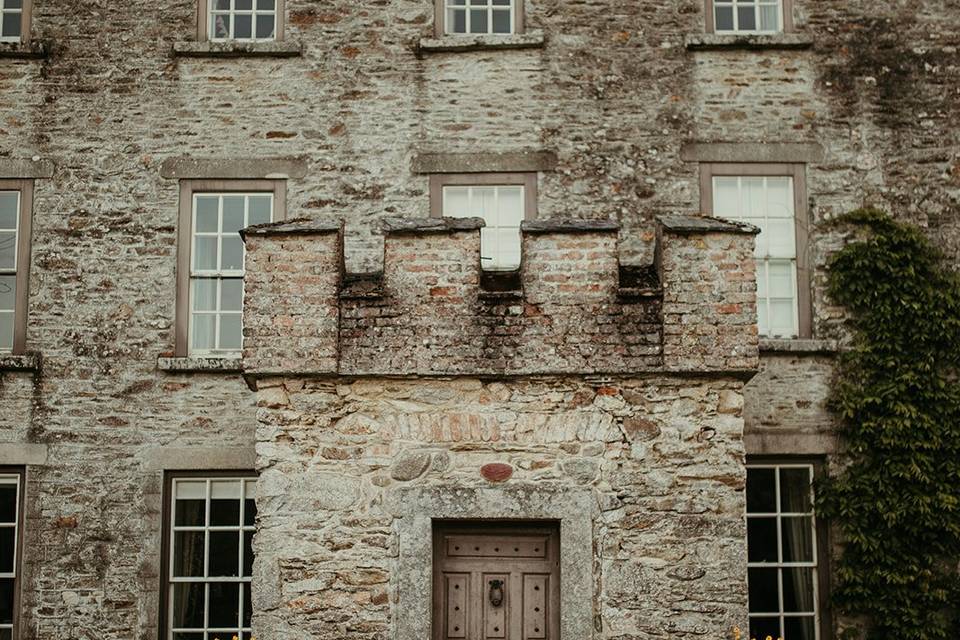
(496, 592)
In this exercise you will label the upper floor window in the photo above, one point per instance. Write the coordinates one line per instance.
(241, 20)
(16, 198)
(502, 200)
(480, 17)
(14, 20)
(749, 16)
(211, 265)
(770, 197)
(11, 518)
(782, 552)
(209, 536)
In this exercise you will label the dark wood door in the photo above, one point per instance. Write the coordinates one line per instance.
(496, 581)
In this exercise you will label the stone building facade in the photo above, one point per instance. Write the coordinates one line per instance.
(618, 379)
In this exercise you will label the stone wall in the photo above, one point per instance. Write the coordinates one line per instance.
(614, 92)
(660, 457)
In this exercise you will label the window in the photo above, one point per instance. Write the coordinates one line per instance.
(222, 20)
(209, 564)
(499, 17)
(16, 203)
(211, 260)
(749, 16)
(782, 554)
(14, 20)
(502, 200)
(11, 517)
(770, 197)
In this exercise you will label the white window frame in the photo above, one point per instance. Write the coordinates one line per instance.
(14, 270)
(803, 308)
(244, 479)
(185, 251)
(21, 266)
(782, 18)
(219, 274)
(23, 12)
(527, 181)
(443, 8)
(205, 23)
(14, 478)
(781, 615)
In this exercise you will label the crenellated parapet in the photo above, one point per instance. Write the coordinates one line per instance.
(433, 311)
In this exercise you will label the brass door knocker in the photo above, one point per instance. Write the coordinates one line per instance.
(496, 592)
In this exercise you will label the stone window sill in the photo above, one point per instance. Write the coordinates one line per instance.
(26, 362)
(757, 42)
(776, 345)
(458, 44)
(32, 50)
(191, 364)
(236, 49)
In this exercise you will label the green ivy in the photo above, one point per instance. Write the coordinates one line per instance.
(897, 395)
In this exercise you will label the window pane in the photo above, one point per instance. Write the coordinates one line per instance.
(724, 18)
(7, 549)
(232, 258)
(456, 202)
(760, 628)
(190, 503)
(795, 490)
(188, 554)
(225, 503)
(9, 209)
(780, 239)
(8, 503)
(188, 636)
(510, 207)
(231, 291)
(231, 332)
(13, 4)
(6, 331)
(243, 5)
(11, 25)
(188, 605)
(206, 214)
(266, 5)
(250, 505)
(8, 293)
(247, 553)
(761, 491)
(780, 276)
(5, 634)
(6, 600)
(260, 209)
(242, 26)
(478, 21)
(797, 539)
(726, 197)
(8, 249)
(247, 606)
(762, 540)
(225, 553)
(265, 26)
(501, 21)
(763, 590)
(769, 18)
(205, 253)
(233, 213)
(799, 628)
(221, 26)
(457, 21)
(224, 605)
(747, 17)
(221, 5)
(203, 331)
(204, 294)
(798, 590)
(781, 318)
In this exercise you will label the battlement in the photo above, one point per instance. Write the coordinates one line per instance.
(571, 308)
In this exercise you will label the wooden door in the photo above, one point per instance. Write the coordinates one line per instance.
(496, 581)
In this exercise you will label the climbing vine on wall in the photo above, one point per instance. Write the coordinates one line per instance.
(897, 500)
